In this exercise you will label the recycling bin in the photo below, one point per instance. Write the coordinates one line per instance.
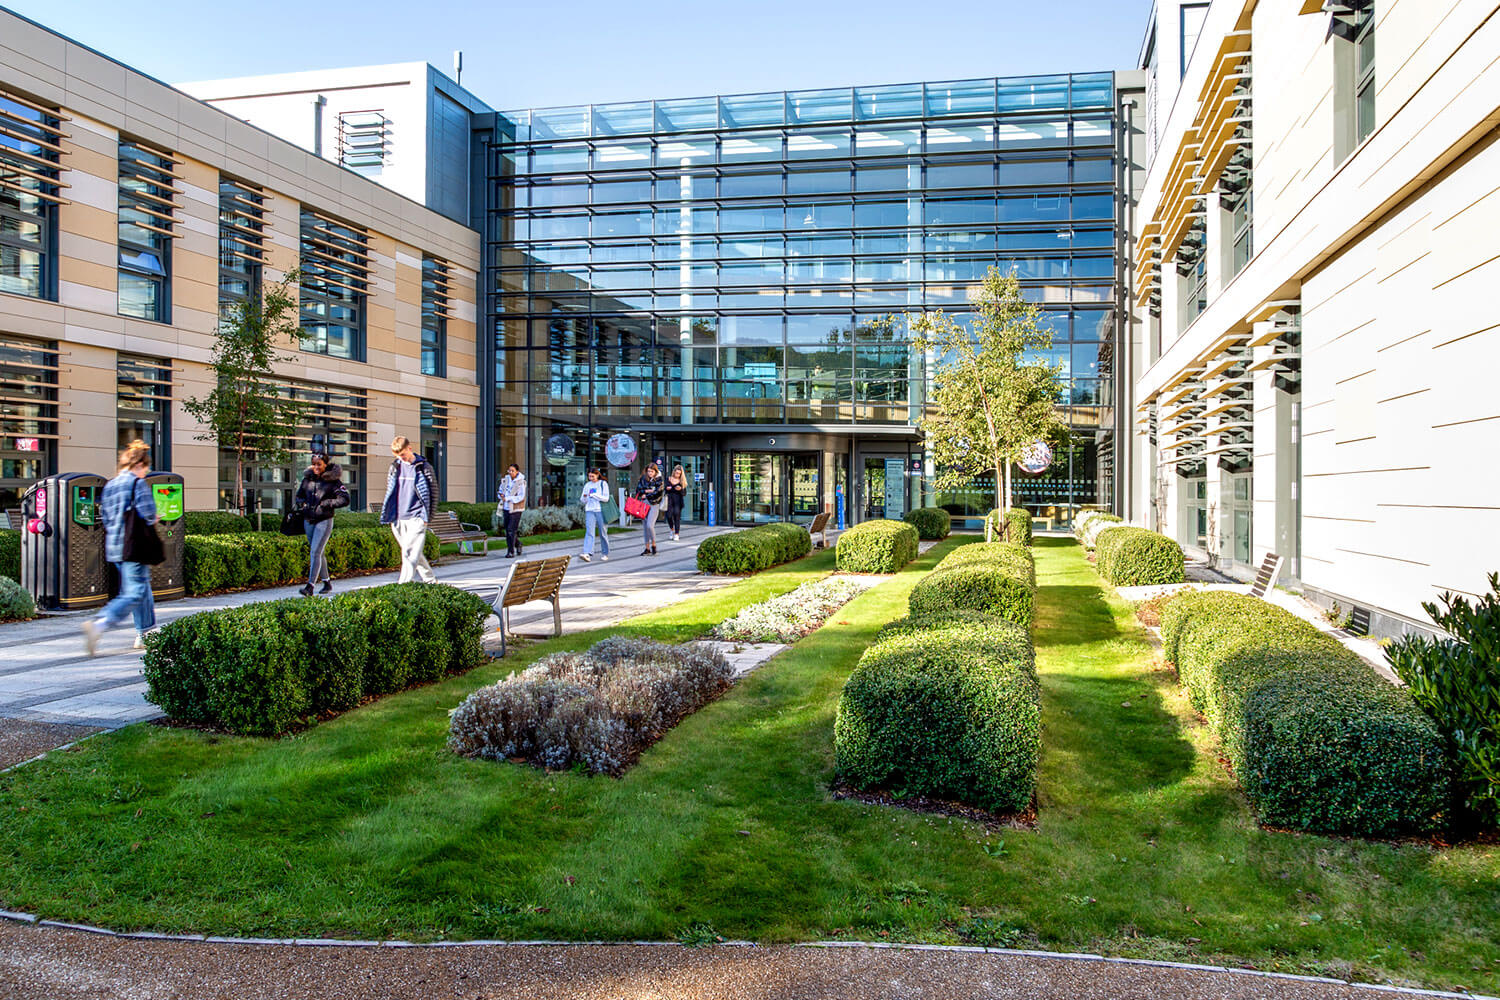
(168, 582)
(62, 542)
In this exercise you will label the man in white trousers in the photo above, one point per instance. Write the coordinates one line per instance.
(410, 491)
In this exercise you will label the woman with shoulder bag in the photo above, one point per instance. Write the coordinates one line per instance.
(595, 495)
(676, 495)
(129, 514)
(651, 489)
(513, 501)
(322, 492)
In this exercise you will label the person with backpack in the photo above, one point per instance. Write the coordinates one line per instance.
(595, 496)
(651, 489)
(322, 492)
(410, 493)
(127, 496)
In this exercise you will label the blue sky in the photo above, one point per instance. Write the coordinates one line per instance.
(561, 52)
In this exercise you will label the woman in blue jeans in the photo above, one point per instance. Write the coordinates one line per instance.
(322, 492)
(595, 494)
(127, 491)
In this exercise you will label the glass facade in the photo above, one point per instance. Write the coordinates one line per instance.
(731, 274)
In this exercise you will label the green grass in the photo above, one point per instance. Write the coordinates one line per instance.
(366, 827)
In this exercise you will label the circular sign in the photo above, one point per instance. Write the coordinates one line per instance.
(558, 449)
(1036, 458)
(620, 450)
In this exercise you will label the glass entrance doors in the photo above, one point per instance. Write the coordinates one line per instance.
(775, 486)
(695, 502)
(884, 492)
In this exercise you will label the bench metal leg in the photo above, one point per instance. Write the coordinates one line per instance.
(556, 615)
(504, 628)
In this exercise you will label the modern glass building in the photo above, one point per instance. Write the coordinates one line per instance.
(723, 281)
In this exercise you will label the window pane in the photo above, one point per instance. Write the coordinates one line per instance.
(804, 145)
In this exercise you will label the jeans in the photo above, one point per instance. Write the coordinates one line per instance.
(593, 520)
(650, 525)
(134, 597)
(317, 543)
(411, 535)
(513, 532)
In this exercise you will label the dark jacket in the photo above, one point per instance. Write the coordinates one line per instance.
(676, 494)
(319, 496)
(426, 485)
(651, 490)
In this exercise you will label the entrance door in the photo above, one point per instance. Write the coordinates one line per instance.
(756, 479)
(804, 492)
(884, 488)
(695, 502)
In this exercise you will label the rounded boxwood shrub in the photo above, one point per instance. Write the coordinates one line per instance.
(944, 706)
(876, 547)
(753, 549)
(10, 554)
(994, 577)
(215, 522)
(15, 601)
(1137, 557)
(1316, 739)
(932, 523)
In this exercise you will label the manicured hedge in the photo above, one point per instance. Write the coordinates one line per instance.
(1095, 524)
(1019, 520)
(876, 547)
(10, 554)
(753, 549)
(945, 706)
(1136, 557)
(15, 601)
(347, 518)
(931, 522)
(481, 514)
(260, 559)
(998, 578)
(1316, 739)
(261, 668)
(215, 522)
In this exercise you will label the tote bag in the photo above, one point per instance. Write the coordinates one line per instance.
(142, 543)
(636, 507)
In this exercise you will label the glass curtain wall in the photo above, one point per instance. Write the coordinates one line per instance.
(745, 261)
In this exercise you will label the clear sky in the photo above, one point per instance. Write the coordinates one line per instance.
(560, 52)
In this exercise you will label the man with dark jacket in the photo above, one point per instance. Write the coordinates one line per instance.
(410, 492)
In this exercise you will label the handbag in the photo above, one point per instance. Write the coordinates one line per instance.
(142, 543)
(636, 507)
(292, 523)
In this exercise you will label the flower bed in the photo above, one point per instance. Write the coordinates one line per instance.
(791, 616)
(597, 710)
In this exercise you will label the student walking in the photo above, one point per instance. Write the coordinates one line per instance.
(125, 496)
(651, 488)
(512, 498)
(410, 491)
(676, 496)
(322, 492)
(595, 495)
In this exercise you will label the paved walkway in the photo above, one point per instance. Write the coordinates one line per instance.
(46, 676)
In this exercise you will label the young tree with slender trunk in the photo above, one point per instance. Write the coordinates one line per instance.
(248, 412)
(989, 400)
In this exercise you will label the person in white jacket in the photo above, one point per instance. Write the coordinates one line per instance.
(595, 495)
(512, 498)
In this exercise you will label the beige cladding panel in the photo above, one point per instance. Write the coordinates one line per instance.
(86, 401)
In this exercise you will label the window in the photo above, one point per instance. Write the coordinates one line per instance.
(434, 317)
(1352, 24)
(242, 242)
(335, 284)
(30, 143)
(28, 418)
(334, 422)
(1191, 17)
(147, 214)
(435, 442)
(143, 399)
(1242, 231)
(1364, 75)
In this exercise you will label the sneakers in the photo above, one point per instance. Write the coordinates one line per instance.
(587, 558)
(674, 536)
(91, 636)
(327, 587)
(306, 590)
(605, 558)
(140, 641)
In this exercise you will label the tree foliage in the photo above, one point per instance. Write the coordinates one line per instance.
(990, 398)
(249, 412)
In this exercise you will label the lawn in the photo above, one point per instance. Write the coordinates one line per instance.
(366, 827)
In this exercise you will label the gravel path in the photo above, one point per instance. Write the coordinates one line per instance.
(57, 964)
(22, 740)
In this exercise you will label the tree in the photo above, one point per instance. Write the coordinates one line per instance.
(249, 412)
(990, 401)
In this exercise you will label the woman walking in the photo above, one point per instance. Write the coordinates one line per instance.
(322, 492)
(513, 503)
(595, 494)
(124, 495)
(676, 495)
(651, 488)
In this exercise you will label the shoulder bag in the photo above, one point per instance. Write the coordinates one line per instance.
(142, 543)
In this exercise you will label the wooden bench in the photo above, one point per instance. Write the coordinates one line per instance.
(1270, 569)
(15, 520)
(448, 528)
(818, 529)
(375, 506)
(533, 580)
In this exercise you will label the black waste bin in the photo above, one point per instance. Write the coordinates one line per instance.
(168, 582)
(62, 542)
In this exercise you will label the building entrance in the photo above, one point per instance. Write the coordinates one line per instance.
(695, 467)
(775, 486)
(883, 492)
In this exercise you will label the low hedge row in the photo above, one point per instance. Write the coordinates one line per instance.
(215, 522)
(10, 554)
(1093, 524)
(260, 559)
(876, 547)
(481, 514)
(946, 706)
(261, 668)
(1137, 557)
(932, 523)
(997, 578)
(753, 549)
(1316, 739)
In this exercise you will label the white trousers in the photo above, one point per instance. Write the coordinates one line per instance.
(411, 534)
